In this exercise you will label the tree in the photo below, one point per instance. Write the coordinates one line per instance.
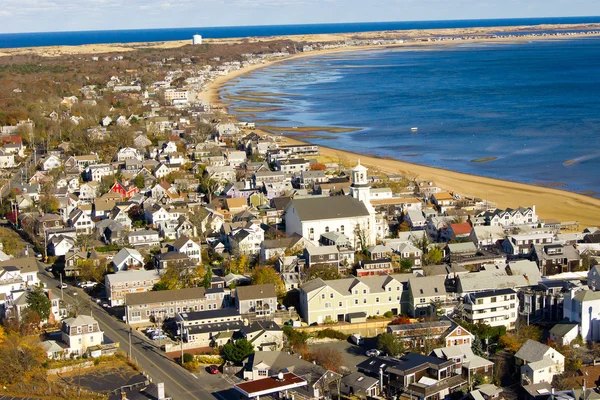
(323, 271)
(513, 341)
(264, 274)
(207, 278)
(40, 303)
(139, 181)
(318, 167)
(406, 264)
(477, 346)
(89, 270)
(237, 351)
(49, 203)
(21, 360)
(390, 344)
(327, 358)
(434, 256)
(85, 241)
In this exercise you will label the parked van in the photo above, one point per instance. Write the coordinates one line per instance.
(357, 339)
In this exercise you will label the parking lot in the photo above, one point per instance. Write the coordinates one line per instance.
(351, 353)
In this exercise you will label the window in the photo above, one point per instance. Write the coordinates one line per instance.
(364, 301)
(390, 298)
(340, 304)
(479, 301)
(331, 295)
(365, 291)
(422, 300)
(327, 305)
(90, 328)
(342, 229)
(389, 289)
(356, 292)
(326, 229)
(262, 372)
(322, 297)
(79, 329)
(493, 299)
(356, 301)
(376, 299)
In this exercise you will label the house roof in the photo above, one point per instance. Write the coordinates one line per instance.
(133, 275)
(463, 228)
(180, 242)
(587, 295)
(238, 202)
(270, 385)
(460, 248)
(80, 321)
(255, 292)
(25, 265)
(359, 381)
(333, 207)
(125, 253)
(532, 351)
(162, 296)
(209, 314)
(427, 286)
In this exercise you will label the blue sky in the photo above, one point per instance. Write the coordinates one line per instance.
(68, 15)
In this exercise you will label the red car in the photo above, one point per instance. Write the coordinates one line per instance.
(213, 369)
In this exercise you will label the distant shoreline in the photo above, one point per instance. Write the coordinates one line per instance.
(551, 203)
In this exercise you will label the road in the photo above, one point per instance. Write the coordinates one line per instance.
(179, 383)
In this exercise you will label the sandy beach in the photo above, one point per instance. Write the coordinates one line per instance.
(550, 203)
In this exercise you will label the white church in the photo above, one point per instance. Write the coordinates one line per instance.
(351, 215)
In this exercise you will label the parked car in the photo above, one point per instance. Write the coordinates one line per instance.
(38, 256)
(62, 286)
(357, 339)
(372, 353)
(213, 369)
(159, 336)
(105, 304)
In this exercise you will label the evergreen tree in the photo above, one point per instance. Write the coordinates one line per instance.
(237, 351)
(39, 302)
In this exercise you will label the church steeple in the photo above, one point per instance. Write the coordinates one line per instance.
(360, 184)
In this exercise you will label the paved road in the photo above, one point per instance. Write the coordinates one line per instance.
(179, 383)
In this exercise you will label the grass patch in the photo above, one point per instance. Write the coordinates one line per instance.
(484, 159)
(11, 242)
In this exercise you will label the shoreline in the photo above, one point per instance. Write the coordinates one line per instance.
(551, 203)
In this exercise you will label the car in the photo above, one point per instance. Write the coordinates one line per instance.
(38, 256)
(213, 369)
(74, 293)
(98, 301)
(105, 304)
(159, 336)
(62, 286)
(372, 353)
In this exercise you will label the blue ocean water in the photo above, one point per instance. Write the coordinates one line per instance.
(534, 106)
(12, 40)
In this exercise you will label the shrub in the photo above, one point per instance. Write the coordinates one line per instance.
(388, 314)
(332, 334)
(206, 359)
(191, 366)
(187, 358)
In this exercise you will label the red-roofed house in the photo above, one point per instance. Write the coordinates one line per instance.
(456, 231)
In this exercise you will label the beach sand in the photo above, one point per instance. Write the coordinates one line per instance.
(550, 203)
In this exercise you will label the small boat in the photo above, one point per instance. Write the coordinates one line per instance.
(414, 129)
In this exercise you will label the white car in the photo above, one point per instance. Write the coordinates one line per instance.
(62, 286)
(372, 353)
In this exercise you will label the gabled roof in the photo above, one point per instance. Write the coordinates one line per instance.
(427, 286)
(255, 292)
(125, 253)
(80, 321)
(323, 208)
(532, 351)
(164, 296)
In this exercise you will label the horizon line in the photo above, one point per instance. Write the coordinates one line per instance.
(301, 24)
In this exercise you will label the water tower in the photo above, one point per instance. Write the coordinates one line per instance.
(197, 39)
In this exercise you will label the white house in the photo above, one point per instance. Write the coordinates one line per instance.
(143, 238)
(492, 307)
(127, 259)
(583, 308)
(129, 153)
(99, 171)
(188, 247)
(538, 362)
(82, 222)
(88, 191)
(51, 162)
(80, 333)
(7, 160)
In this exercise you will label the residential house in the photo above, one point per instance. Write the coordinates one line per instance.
(82, 223)
(426, 294)
(51, 162)
(461, 231)
(98, 171)
(143, 238)
(318, 381)
(509, 217)
(263, 335)
(415, 375)
(555, 258)
(134, 281)
(7, 160)
(80, 334)
(127, 259)
(421, 334)
(494, 308)
(260, 300)
(593, 277)
(158, 306)
(18, 274)
(538, 362)
(360, 386)
(271, 249)
(126, 190)
(583, 307)
(88, 191)
(466, 362)
(129, 153)
(415, 219)
(374, 267)
(521, 244)
(188, 247)
(318, 255)
(564, 334)
(209, 328)
(350, 299)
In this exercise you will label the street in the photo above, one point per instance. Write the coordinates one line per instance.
(179, 383)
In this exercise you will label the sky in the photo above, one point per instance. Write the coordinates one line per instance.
(75, 15)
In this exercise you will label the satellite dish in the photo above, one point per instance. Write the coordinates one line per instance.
(280, 376)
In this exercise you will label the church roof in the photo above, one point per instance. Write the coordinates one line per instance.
(323, 208)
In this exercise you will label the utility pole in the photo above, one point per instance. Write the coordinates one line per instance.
(130, 354)
(61, 286)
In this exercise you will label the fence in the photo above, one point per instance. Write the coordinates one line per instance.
(367, 329)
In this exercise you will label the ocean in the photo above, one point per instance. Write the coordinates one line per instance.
(13, 40)
(526, 112)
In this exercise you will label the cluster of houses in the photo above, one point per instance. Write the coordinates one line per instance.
(240, 194)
